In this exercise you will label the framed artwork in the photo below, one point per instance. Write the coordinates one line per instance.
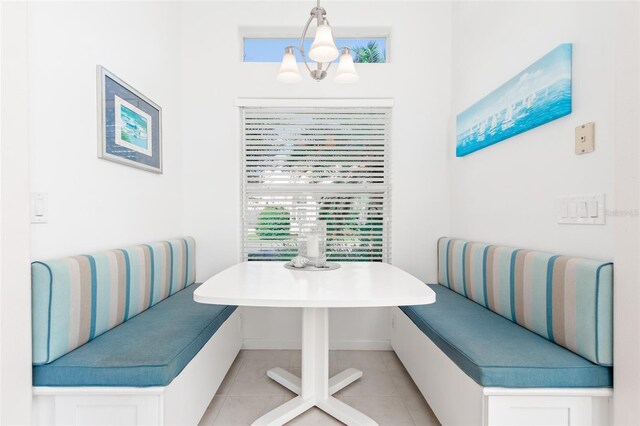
(539, 94)
(129, 124)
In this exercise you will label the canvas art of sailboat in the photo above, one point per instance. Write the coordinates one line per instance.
(539, 94)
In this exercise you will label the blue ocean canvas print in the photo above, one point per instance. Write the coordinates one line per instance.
(539, 94)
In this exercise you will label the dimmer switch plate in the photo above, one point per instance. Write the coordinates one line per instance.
(585, 138)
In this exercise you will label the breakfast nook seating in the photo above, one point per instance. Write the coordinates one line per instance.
(515, 335)
(117, 336)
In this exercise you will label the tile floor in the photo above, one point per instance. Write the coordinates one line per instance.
(385, 393)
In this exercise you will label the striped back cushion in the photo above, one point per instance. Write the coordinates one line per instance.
(76, 299)
(567, 300)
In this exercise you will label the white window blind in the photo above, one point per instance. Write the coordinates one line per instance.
(316, 164)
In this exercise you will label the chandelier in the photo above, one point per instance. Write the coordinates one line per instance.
(323, 51)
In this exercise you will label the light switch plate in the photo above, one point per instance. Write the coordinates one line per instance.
(581, 210)
(39, 207)
(585, 138)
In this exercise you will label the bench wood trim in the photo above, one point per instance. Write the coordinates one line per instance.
(182, 402)
(456, 399)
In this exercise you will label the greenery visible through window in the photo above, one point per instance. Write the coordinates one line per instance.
(370, 54)
(363, 50)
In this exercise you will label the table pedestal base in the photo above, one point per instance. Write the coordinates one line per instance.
(315, 388)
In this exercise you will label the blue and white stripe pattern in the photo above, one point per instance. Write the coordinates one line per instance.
(567, 300)
(76, 299)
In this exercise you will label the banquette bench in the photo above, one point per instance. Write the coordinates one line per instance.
(118, 339)
(515, 337)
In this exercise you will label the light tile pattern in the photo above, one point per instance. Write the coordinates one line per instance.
(385, 393)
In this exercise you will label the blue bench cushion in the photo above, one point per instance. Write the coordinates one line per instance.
(76, 299)
(148, 350)
(568, 300)
(496, 352)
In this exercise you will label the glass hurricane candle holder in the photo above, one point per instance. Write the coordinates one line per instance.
(314, 244)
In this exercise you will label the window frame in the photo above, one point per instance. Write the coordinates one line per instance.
(295, 33)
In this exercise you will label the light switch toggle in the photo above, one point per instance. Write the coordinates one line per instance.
(582, 209)
(38, 207)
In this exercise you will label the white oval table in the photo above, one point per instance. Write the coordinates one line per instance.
(355, 284)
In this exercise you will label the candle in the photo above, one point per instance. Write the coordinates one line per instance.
(313, 245)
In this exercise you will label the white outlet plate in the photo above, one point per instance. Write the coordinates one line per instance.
(581, 210)
(585, 138)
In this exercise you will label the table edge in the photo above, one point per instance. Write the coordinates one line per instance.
(306, 303)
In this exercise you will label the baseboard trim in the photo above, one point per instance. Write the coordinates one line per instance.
(346, 345)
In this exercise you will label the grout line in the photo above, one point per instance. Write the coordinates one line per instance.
(224, 401)
(240, 364)
(233, 376)
(413, 420)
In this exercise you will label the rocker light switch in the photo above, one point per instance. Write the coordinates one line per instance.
(581, 210)
(585, 138)
(39, 207)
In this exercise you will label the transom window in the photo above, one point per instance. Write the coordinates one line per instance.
(363, 49)
(316, 164)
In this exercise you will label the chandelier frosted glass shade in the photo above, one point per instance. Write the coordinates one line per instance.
(346, 72)
(323, 48)
(289, 72)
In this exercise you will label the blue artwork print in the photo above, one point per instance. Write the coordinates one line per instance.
(134, 128)
(539, 94)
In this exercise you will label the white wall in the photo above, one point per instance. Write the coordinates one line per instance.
(96, 204)
(418, 79)
(15, 288)
(506, 193)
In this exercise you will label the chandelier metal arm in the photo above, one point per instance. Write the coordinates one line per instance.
(304, 34)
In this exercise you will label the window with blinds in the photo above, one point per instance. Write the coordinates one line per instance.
(328, 164)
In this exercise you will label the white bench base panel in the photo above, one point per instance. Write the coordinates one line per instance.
(458, 400)
(182, 402)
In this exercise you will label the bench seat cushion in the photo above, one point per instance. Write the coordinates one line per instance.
(565, 299)
(148, 350)
(496, 352)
